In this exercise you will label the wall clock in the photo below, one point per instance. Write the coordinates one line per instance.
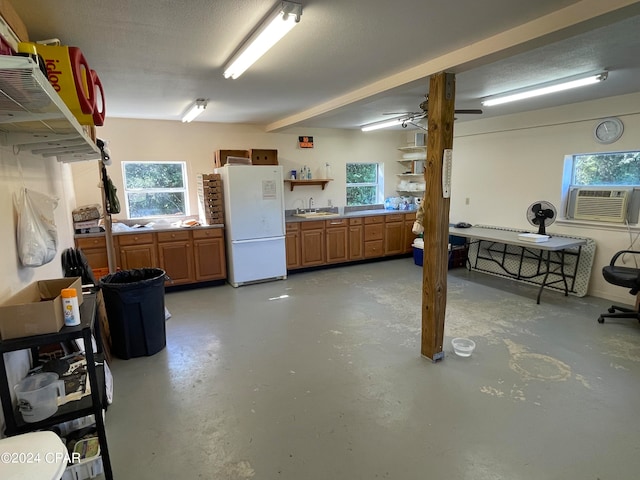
(608, 130)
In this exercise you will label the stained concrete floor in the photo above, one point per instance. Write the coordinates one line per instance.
(320, 377)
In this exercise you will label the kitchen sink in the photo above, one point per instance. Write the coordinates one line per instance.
(316, 214)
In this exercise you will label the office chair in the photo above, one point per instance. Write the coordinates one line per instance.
(623, 277)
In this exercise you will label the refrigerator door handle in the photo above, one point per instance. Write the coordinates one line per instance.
(256, 240)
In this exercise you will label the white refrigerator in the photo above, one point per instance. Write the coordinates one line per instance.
(254, 223)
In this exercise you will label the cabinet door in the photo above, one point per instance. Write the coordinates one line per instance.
(138, 256)
(409, 236)
(95, 250)
(292, 246)
(337, 243)
(312, 247)
(356, 242)
(210, 262)
(393, 238)
(176, 259)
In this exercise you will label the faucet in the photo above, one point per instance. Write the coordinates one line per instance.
(310, 203)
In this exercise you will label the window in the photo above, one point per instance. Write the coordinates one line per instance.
(619, 168)
(594, 187)
(155, 189)
(364, 184)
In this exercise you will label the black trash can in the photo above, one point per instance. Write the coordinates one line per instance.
(134, 300)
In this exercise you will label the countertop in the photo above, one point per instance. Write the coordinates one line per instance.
(138, 231)
(353, 214)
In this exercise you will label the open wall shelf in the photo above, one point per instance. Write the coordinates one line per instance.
(320, 181)
(33, 117)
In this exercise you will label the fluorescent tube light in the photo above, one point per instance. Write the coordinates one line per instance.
(194, 110)
(543, 90)
(278, 23)
(384, 124)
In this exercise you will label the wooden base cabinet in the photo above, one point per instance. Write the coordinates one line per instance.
(292, 245)
(95, 251)
(312, 243)
(374, 236)
(394, 234)
(175, 256)
(337, 240)
(317, 242)
(187, 256)
(137, 251)
(409, 236)
(209, 254)
(356, 239)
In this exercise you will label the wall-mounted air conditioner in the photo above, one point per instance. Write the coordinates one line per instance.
(602, 204)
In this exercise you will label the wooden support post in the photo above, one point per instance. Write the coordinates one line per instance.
(436, 215)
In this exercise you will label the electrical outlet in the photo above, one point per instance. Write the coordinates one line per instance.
(330, 203)
(466, 201)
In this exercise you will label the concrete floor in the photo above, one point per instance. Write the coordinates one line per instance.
(328, 383)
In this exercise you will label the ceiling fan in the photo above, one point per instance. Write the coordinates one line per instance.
(412, 117)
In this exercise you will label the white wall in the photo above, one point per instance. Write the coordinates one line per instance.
(45, 176)
(502, 165)
(195, 143)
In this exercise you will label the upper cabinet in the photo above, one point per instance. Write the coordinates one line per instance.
(33, 117)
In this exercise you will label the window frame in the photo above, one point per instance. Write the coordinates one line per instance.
(184, 190)
(568, 177)
(378, 184)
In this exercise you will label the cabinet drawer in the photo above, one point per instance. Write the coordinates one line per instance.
(317, 224)
(373, 249)
(394, 217)
(207, 233)
(293, 226)
(373, 232)
(93, 242)
(336, 222)
(410, 216)
(355, 221)
(135, 239)
(374, 219)
(173, 236)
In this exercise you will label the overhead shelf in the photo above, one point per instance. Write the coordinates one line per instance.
(33, 117)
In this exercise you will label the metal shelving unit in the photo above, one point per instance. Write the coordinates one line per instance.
(34, 118)
(89, 405)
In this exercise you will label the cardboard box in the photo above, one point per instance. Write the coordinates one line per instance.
(263, 157)
(13, 20)
(220, 156)
(36, 309)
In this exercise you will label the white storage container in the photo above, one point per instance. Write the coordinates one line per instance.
(81, 471)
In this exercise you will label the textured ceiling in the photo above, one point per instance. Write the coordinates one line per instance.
(346, 63)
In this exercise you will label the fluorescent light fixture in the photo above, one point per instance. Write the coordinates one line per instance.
(194, 110)
(384, 124)
(549, 88)
(276, 25)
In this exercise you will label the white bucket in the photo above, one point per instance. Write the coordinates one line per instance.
(38, 396)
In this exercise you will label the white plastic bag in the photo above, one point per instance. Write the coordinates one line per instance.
(37, 234)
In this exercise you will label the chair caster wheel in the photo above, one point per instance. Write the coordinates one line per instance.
(600, 319)
(611, 310)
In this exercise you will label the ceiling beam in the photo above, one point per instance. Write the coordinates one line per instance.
(552, 23)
